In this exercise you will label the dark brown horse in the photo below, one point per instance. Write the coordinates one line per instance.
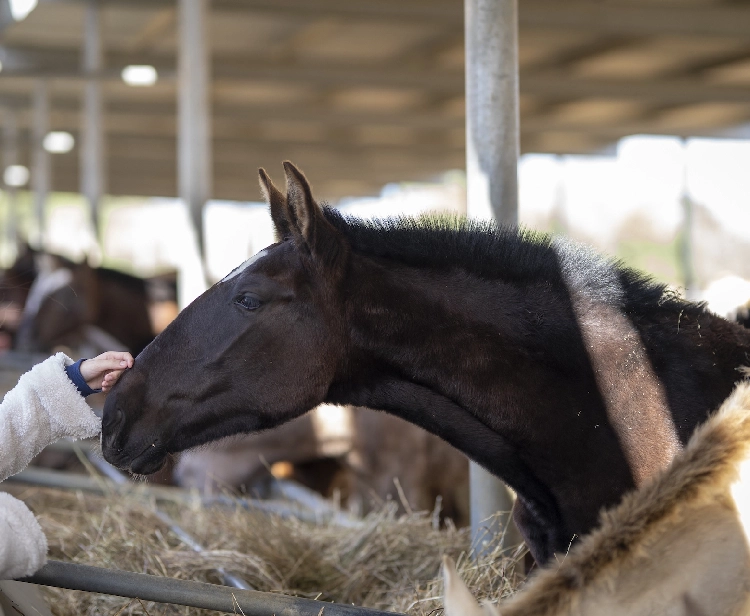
(72, 305)
(571, 377)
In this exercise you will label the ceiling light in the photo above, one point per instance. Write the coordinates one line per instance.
(139, 75)
(58, 142)
(16, 175)
(21, 8)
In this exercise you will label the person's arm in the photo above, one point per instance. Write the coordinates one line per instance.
(45, 406)
(23, 546)
(93, 376)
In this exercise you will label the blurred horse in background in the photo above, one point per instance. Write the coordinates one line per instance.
(15, 283)
(49, 303)
(85, 310)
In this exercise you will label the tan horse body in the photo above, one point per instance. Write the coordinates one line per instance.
(678, 546)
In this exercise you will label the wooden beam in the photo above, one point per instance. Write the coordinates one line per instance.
(235, 175)
(158, 27)
(640, 18)
(544, 83)
(674, 91)
(435, 10)
(165, 112)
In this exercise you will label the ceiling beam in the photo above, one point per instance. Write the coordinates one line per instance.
(668, 91)
(159, 26)
(714, 19)
(434, 10)
(236, 177)
(615, 129)
(710, 19)
(244, 115)
(544, 83)
(152, 146)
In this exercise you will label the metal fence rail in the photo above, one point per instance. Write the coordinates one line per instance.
(49, 478)
(183, 592)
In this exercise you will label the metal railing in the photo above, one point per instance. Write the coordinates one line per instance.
(184, 592)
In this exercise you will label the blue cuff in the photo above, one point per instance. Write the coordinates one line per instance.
(74, 374)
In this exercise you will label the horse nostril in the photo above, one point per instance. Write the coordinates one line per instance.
(115, 420)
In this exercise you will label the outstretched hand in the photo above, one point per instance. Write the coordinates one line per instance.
(102, 371)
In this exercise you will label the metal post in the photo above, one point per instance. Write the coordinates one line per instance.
(40, 162)
(194, 113)
(685, 245)
(186, 592)
(491, 28)
(10, 157)
(92, 120)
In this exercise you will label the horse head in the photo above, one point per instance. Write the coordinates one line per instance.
(259, 348)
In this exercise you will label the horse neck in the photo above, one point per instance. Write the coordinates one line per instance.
(529, 362)
(485, 366)
(473, 343)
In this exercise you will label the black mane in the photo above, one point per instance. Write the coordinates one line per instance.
(496, 252)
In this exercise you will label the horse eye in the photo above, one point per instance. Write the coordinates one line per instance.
(248, 302)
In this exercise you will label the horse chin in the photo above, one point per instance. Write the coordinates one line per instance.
(148, 463)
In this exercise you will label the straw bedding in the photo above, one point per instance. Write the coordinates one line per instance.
(388, 562)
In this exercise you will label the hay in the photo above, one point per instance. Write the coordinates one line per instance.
(389, 562)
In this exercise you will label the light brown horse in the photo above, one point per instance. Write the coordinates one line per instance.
(678, 546)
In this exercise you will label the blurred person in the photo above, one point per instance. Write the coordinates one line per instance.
(47, 404)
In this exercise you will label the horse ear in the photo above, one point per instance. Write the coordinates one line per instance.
(458, 601)
(301, 207)
(277, 205)
(307, 220)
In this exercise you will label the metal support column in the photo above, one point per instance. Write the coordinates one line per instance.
(40, 161)
(685, 245)
(491, 28)
(194, 164)
(93, 172)
(10, 157)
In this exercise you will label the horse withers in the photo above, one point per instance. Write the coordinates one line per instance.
(571, 377)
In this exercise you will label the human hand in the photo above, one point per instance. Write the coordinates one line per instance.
(102, 371)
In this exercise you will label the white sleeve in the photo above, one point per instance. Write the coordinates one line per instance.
(23, 546)
(42, 408)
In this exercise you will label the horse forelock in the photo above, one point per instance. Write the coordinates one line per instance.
(495, 252)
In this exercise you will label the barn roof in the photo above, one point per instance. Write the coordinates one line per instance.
(364, 92)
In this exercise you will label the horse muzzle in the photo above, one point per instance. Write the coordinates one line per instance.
(141, 460)
(128, 449)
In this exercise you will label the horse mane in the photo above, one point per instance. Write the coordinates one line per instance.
(516, 255)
